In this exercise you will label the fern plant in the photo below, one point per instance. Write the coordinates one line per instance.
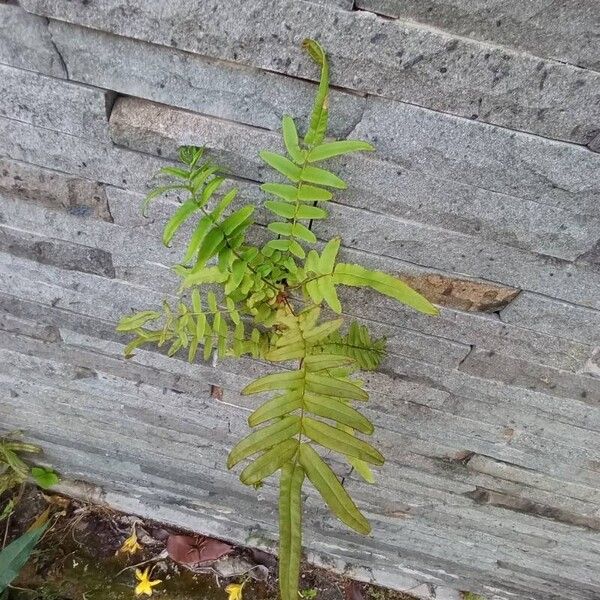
(270, 301)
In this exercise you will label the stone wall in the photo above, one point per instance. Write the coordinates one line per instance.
(484, 193)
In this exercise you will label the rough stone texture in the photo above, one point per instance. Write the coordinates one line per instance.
(388, 58)
(489, 415)
(82, 157)
(187, 80)
(490, 157)
(62, 106)
(490, 365)
(72, 257)
(26, 43)
(551, 316)
(562, 30)
(53, 189)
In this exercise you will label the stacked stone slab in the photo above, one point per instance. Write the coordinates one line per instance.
(484, 192)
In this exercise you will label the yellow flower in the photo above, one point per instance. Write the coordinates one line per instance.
(131, 544)
(235, 591)
(145, 585)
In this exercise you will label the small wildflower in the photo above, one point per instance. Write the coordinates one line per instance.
(235, 591)
(145, 585)
(131, 544)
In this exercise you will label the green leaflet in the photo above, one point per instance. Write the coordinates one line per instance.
(332, 408)
(271, 461)
(362, 468)
(290, 529)
(203, 227)
(304, 233)
(175, 172)
(315, 334)
(383, 283)
(310, 212)
(318, 119)
(322, 177)
(212, 243)
(330, 386)
(326, 261)
(287, 192)
(276, 381)
(282, 164)
(331, 149)
(340, 441)
(183, 213)
(137, 320)
(263, 439)
(281, 209)
(310, 193)
(233, 222)
(331, 490)
(276, 407)
(323, 362)
(281, 228)
(290, 138)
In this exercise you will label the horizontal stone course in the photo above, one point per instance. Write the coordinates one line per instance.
(493, 158)
(428, 246)
(25, 42)
(388, 58)
(490, 365)
(212, 87)
(73, 155)
(60, 105)
(548, 315)
(53, 189)
(48, 251)
(560, 30)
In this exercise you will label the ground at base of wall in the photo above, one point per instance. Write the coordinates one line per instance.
(81, 557)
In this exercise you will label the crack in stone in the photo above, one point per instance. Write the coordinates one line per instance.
(58, 52)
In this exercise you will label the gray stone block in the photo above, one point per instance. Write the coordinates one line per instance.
(28, 328)
(553, 317)
(575, 413)
(25, 42)
(489, 365)
(73, 155)
(442, 191)
(53, 189)
(48, 251)
(60, 105)
(559, 30)
(497, 159)
(211, 87)
(406, 62)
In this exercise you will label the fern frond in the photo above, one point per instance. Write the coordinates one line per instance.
(358, 345)
(270, 308)
(305, 402)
